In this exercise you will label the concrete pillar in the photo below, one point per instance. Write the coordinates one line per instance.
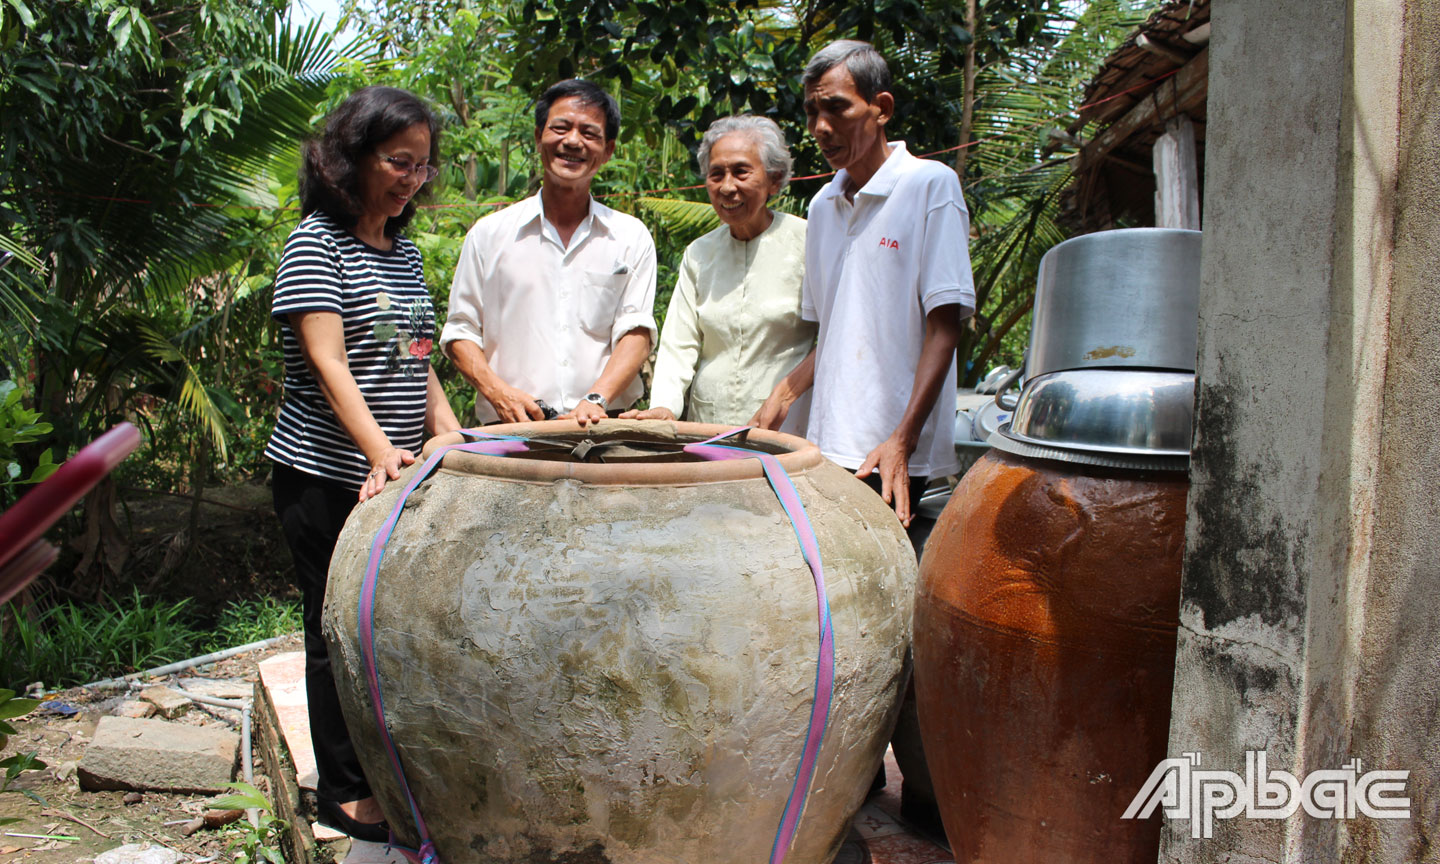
(1310, 607)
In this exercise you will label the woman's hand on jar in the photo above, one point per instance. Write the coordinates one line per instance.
(648, 414)
(385, 469)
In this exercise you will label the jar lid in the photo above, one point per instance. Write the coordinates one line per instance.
(1126, 418)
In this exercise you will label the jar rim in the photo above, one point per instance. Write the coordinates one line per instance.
(795, 454)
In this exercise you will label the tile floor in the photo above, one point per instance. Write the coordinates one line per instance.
(886, 838)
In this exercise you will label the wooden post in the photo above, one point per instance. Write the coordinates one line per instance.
(1177, 176)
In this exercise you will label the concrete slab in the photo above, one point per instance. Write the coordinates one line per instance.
(139, 853)
(219, 688)
(152, 754)
(170, 703)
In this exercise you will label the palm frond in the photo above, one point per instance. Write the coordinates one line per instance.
(192, 395)
(684, 220)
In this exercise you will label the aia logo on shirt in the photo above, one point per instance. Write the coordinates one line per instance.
(889, 243)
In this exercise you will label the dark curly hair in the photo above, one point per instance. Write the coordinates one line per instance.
(330, 164)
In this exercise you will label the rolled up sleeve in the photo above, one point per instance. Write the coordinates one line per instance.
(465, 319)
(637, 300)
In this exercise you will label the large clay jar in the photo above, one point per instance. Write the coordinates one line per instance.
(614, 660)
(1044, 656)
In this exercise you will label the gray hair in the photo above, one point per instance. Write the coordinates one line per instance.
(769, 140)
(866, 66)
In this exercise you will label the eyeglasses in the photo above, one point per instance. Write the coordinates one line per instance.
(407, 167)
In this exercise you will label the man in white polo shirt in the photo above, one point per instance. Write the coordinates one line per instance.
(551, 305)
(887, 276)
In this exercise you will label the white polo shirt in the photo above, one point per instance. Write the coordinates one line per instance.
(548, 315)
(873, 270)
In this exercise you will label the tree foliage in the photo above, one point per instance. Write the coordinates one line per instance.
(132, 138)
(148, 153)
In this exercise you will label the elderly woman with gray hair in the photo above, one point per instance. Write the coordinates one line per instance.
(733, 329)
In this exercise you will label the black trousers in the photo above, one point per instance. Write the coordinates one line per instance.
(312, 511)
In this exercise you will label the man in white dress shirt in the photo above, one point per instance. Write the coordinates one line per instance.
(887, 276)
(553, 296)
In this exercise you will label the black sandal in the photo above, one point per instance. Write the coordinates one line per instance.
(330, 814)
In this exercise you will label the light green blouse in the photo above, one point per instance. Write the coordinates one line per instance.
(733, 329)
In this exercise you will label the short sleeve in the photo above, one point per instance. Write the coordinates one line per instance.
(637, 300)
(465, 316)
(309, 278)
(945, 275)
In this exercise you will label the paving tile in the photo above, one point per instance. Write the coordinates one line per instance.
(872, 822)
(890, 839)
(907, 849)
(283, 675)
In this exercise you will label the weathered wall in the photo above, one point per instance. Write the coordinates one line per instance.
(1311, 596)
(1397, 709)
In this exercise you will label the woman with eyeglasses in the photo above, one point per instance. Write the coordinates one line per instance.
(357, 326)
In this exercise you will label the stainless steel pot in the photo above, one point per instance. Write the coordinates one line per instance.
(1109, 376)
(1117, 299)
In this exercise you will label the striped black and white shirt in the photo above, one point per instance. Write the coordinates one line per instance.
(389, 323)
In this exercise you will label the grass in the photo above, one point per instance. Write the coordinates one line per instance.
(245, 621)
(71, 644)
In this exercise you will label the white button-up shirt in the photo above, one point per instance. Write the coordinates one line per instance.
(733, 328)
(548, 315)
(873, 270)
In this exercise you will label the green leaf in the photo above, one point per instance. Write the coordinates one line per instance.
(246, 797)
(42, 472)
(120, 25)
(11, 708)
(26, 16)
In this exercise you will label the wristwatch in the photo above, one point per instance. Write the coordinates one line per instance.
(596, 399)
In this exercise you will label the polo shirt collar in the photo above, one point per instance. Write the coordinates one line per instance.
(882, 183)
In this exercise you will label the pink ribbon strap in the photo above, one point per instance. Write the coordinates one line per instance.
(494, 445)
(825, 665)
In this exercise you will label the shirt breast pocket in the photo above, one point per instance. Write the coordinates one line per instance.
(600, 300)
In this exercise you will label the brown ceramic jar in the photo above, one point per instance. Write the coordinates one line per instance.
(1045, 629)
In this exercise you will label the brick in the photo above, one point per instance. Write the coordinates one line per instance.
(153, 754)
(170, 703)
(134, 709)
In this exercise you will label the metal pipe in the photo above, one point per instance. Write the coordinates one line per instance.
(247, 762)
(127, 680)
